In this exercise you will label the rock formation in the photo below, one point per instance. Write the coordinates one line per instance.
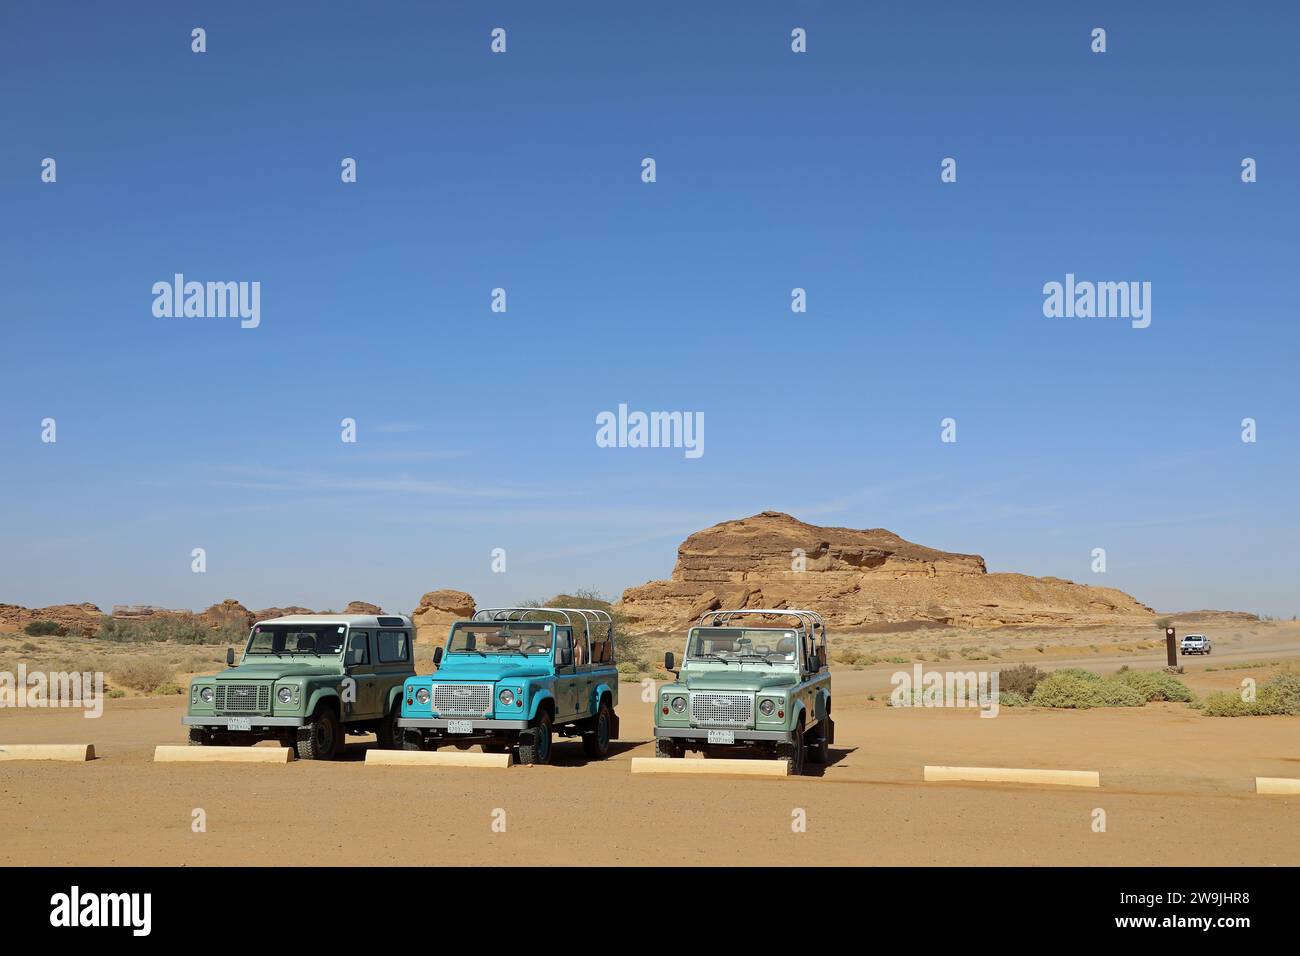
(857, 579)
(440, 608)
(77, 619)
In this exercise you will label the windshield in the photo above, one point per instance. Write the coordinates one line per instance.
(743, 644)
(528, 639)
(317, 640)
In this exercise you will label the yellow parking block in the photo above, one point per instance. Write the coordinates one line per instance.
(77, 753)
(746, 768)
(1058, 778)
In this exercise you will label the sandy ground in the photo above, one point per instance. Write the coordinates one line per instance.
(1177, 789)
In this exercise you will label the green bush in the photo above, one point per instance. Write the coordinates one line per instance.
(1011, 698)
(1156, 685)
(143, 674)
(179, 629)
(44, 629)
(1020, 680)
(1074, 689)
(1279, 695)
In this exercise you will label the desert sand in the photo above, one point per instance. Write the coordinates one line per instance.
(1177, 789)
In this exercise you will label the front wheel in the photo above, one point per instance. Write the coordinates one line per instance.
(668, 748)
(793, 753)
(321, 738)
(389, 734)
(535, 742)
(595, 744)
(819, 747)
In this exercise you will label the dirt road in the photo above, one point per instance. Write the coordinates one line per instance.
(1177, 788)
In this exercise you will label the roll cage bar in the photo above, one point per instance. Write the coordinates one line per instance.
(590, 617)
(809, 621)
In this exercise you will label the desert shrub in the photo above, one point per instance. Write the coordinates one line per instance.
(27, 647)
(1011, 698)
(1070, 688)
(114, 692)
(180, 629)
(854, 656)
(1020, 680)
(44, 629)
(632, 669)
(1079, 672)
(973, 654)
(1224, 703)
(1280, 694)
(1156, 685)
(168, 688)
(142, 674)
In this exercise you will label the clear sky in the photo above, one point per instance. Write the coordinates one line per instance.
(523, 171)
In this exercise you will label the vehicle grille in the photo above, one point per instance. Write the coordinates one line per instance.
(728, 710)
(462, 700)
(244, 698)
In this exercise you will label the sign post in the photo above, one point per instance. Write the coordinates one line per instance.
(1171, 648)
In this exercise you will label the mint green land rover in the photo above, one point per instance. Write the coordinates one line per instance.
(746, 683)
(307, 680)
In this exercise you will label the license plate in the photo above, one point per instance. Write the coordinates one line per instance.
(240, 723)
(460, 726)
(722, 736)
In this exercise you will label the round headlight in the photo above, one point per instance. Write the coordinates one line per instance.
(206, 694)
(679, 704)
(285, 695)
(506, 698)
(766, 707)
(422, 695)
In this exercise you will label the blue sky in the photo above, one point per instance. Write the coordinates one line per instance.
(476, 430)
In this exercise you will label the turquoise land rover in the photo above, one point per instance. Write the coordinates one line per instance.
(756, 686)
(513, 679)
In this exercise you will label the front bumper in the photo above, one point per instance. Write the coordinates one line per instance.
(701, 734)
(477, 723)
(253, 720)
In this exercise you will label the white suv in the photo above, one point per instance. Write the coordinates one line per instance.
(1195, 644)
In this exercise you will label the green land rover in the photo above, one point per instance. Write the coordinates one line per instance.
(307, 680)
(747, 683)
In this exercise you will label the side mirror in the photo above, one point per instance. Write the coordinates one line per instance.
(437, 656)
(230, 657)
(669, 661)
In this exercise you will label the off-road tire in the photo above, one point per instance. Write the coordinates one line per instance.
(412, 740)
(668, 748)
(793, 753)
(388, 735)
(537, 743)
(819, 745)
(595, 743)
(321, 738)
(200, 737)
